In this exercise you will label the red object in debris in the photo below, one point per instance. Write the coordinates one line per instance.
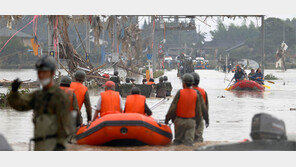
(106, 75)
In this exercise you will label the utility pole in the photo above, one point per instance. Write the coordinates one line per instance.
(49, 38)
(115, 42)
(198, 35)
(153, 47)
(262, 44)
(87, 41)
(103, 44)
(226, 62)
(284, 33)
(58, 54)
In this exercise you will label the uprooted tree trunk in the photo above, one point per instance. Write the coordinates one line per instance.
(67, 51)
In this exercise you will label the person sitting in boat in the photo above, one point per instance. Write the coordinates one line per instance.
(168, 86)
(128, 81)
(136, 103)
(115, 78)
(151, 82)
(251, 75)
(144, 81)
(160, 89)
(259, 77)
(239, 75)
(109, 102)
(133, 81)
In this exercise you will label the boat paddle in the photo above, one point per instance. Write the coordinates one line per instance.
(270, 81)
(228, 88)
(265, 80)
(266, 86)
(160, 102)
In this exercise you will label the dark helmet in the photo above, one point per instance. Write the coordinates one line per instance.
(196, 78)
(116, 73)
(66, 80)
(165, 78)
(135, 90)
(144, 80)
(151, 80)
(46, 63)
(127, 80)
(160, 79)
(80, 75)
(188, 79)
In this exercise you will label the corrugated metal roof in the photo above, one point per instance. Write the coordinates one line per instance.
(5, 32)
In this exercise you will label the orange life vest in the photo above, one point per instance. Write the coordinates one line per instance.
(110, 102)
(79, 90)
(69, 92)
(187, 103)
(150, 83)
(135, 104)
(202, 92)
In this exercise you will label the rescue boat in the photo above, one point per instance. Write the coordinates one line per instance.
(247, 85)
(124, 129)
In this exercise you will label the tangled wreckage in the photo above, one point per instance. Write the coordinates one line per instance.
(127, 58)
(124, 50)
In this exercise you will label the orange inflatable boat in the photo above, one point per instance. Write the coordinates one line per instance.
(124, 129)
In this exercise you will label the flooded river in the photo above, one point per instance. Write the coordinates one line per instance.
(230, 113)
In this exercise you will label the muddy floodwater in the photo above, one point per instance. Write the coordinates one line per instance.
(230, 112)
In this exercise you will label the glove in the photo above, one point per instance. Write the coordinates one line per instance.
(207, 124)
(166, 121)
(15, 85)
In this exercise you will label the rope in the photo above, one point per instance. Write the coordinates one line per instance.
(17, 32)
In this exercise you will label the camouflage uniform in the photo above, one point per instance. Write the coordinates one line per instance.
(87, 105)
(180, 123)
(160, 90)
(205, 114)
(168, 87)
(51, 116)
(116, 80)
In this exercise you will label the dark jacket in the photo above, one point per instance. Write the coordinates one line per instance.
(251, 76)
(238, 76)
(259, 77)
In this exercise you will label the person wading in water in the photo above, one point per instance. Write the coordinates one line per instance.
(51, 114)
